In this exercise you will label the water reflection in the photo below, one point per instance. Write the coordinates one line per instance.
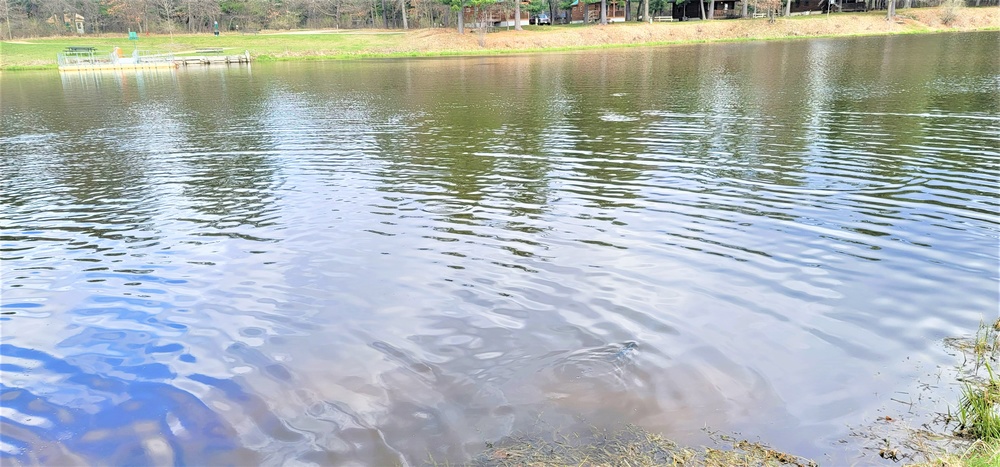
(384, 262)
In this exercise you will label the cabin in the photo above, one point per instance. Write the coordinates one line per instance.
(497, 15)
(726, 9)
(74, 22)
(805, 7)
(583, 12)
(688, 10)
(850, 5)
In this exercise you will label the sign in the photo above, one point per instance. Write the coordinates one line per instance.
(133, 36)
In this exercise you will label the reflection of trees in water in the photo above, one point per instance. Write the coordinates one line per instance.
(78, 167)
(229, 176)
(751, 134)
(478, 148)
(601, 93)
(232, 191)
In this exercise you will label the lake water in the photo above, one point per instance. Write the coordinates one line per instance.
(391, 261)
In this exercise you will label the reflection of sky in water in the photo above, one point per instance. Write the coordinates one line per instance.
(130, 415)
(374, 262)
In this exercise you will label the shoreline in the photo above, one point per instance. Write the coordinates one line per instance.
(39, 54)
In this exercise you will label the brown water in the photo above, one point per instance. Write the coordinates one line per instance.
(386, 262)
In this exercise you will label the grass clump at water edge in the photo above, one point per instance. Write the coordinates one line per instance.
(978, 413)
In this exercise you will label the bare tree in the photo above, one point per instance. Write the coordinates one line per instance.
(5, 9)
(517, 15)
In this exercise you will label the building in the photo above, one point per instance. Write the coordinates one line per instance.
(582, 12)
(73, 22)
(498, 15)
(689, 9)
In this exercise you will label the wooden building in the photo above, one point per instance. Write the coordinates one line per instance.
(582, 12)
(804, 7)
(849, 5)
(497, 15)
(821, 6)
(688, 10)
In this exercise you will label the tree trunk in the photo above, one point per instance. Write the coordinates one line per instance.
(402, 10)
(6, 15)
(628, 10)
(701, 8)
(385, 17)
(788, 7)
(892, 10)
(517, 16)
(645, 11)
(711, 10)
(604, 11)
(461, 17)
(907, 4)
(744, 12)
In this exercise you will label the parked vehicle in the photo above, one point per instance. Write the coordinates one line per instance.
(540, 19)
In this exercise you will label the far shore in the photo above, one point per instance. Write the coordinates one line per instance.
(40, 53)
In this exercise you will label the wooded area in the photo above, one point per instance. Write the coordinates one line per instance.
(35, 18)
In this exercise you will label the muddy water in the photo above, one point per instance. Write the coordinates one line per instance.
(387, 262)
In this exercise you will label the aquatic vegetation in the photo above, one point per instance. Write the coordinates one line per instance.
(977, 417)
(979, 409)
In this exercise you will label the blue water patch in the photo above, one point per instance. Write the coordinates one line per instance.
(106, 420)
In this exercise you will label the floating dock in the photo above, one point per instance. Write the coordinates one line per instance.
(116, 66)
(86, 59)
(213, 59)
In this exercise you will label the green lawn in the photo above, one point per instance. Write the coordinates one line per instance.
(41, 53)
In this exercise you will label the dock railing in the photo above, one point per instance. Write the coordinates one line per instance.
(92, 59)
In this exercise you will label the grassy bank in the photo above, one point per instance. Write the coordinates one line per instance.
(976, 418)
(340, 44)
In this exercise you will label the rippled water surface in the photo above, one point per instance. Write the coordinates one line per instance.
(385, 262)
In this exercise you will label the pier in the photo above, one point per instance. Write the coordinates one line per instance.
(186, 60)
(86, 58)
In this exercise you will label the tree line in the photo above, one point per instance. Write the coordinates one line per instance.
(33, 18)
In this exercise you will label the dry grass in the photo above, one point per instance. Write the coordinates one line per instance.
(557, 37)
(979, 454)
(630, 446)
